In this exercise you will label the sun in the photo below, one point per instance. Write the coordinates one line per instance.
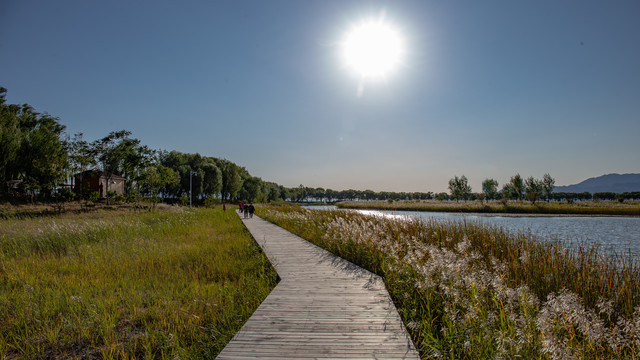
(373, 49)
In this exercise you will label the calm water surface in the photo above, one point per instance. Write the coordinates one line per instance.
(612, 234)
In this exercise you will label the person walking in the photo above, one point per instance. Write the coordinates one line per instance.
(246, 211)
(251, 210)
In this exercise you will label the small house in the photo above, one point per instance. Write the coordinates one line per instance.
(92, 180)
(14, 187)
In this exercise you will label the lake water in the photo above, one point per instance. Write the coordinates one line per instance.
(612, 234)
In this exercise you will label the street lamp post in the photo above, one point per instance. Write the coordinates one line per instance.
(190, 187)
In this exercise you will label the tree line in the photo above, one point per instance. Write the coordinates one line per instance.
(37, 159)
(306, 194)
(517, 188)
(532, 189)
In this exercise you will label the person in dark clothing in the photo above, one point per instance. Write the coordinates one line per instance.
(251, 210)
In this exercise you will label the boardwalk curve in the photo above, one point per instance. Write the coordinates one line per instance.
(324, 307)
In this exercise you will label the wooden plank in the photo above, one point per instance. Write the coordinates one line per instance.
(323, 308)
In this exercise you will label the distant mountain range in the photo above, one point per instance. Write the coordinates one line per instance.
(616, 183)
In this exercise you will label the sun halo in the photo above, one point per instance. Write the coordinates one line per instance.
(373, 49)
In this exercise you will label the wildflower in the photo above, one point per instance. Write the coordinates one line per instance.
(413, 326)
(463, 245)
(605, 307)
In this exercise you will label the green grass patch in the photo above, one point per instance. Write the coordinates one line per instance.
(127, 284)
(629, 208)
(470, 291)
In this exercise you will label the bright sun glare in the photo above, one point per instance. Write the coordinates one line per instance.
(373, 49)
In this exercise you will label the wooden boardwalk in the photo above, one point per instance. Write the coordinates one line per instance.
(324, 307)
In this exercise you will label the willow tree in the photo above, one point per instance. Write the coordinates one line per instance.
(490, 188)
(459, 188)
(547, 186)
(533, 189)
(212, 185)
(517, 186)
(231, 179)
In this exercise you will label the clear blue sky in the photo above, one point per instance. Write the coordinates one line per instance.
(486, 89)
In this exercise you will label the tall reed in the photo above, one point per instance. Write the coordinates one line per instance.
(466, 290)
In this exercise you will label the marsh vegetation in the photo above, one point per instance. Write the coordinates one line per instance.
(465, 290)
(124, 284)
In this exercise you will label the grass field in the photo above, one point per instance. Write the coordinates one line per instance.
(166, 284)
(467, 291)
(628, 208)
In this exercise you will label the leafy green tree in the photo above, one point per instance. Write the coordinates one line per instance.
(320, 193)
(197, 183)
(297, 193)
(156, 178)
(604, 196)
(533, 189)
(231, 179)
(10, 135)
(459, 188)
(330, 194)
(81, 158)
(32, 148)
(454, 188)
(272, 191)
(251, 189)
(507, 191)
(48, 153)
(151, 179)
(547, 186)
(303, 193)
(184, 173)
(177, 162)
(41, 161)
(368, 195)
(195, 173)
(168, 178)
(517, 186)
(136, 158)
(490, 189)
(284, 192)
(212, 179)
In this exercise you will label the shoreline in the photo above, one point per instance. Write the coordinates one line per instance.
(510, 210)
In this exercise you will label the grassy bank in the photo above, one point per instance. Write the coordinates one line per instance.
(24, 211)
(629, 208)
(466, 291)
(127, 284)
